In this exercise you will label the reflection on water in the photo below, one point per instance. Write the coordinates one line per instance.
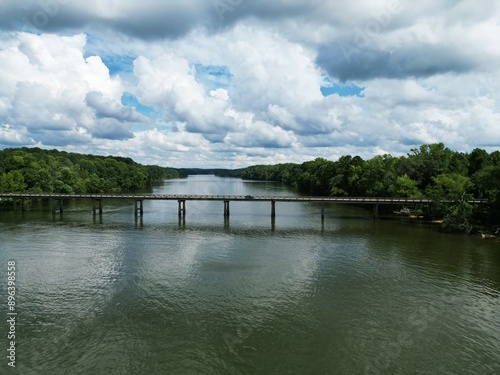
(353, 295)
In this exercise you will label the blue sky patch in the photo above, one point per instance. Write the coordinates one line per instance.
(343, 90)
(122, 64)
(331, 88)
(213, 77)
(130, 100)
(119, 64)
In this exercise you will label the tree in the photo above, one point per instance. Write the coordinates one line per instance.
(12, 182)
(426, 162)
(450, 192)
(379, 176)
(487, 186)
(408, 188)
(478, 159)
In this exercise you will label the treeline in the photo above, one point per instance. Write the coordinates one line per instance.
(35, 170)
(431, 171)
(184, 172)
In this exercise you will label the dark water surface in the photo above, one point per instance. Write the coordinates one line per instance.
(355, 296)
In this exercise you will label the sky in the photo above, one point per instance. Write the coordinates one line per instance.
(232, 83)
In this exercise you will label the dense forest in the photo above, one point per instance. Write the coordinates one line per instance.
(50, 171)
(431, 171)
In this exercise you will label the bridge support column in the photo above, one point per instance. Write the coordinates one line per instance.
(182, 208)
(55, 208)
(139, 208)
(375, 211)
(182, 222)
(94, 209)
(139, 221)
(273, 209)
(322, 212)
(226, 209)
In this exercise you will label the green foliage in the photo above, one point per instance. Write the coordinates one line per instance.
(430, 171)
(478, 159)
(452, 187)
(378, 177)
(50, 171)
(408, 188)
(12, 181)
(451, 192)
(424, 163)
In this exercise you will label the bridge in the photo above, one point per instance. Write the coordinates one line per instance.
(97, 199)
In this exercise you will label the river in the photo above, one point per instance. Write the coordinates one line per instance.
(116, 295)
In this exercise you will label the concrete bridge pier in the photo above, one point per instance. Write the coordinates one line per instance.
(97, 220)
(23, 204)
(139, 208)
(182, 208)
(226, 209)
(139, 221)
(55, 207)
(94, 209)
(273, 209)
(322, 212)
(182, 222)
